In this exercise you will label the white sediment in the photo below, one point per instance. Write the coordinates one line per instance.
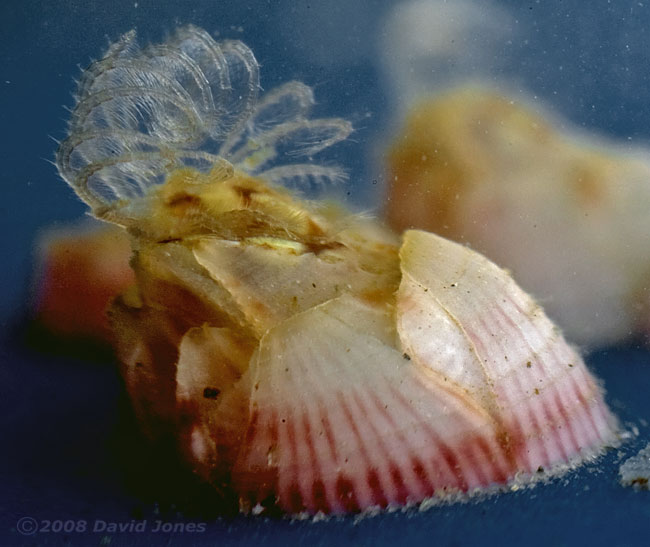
(635, 471)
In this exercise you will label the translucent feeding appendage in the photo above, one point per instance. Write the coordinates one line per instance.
(189, 102)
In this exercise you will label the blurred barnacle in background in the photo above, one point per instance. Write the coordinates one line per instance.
(566, 211)
(429, 46)
(80, 269)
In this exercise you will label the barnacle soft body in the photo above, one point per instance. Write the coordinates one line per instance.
(304, 357)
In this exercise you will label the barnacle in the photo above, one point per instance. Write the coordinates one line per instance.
(304, 357)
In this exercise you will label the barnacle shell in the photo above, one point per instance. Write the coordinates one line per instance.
(566, 212)
(304, 357)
